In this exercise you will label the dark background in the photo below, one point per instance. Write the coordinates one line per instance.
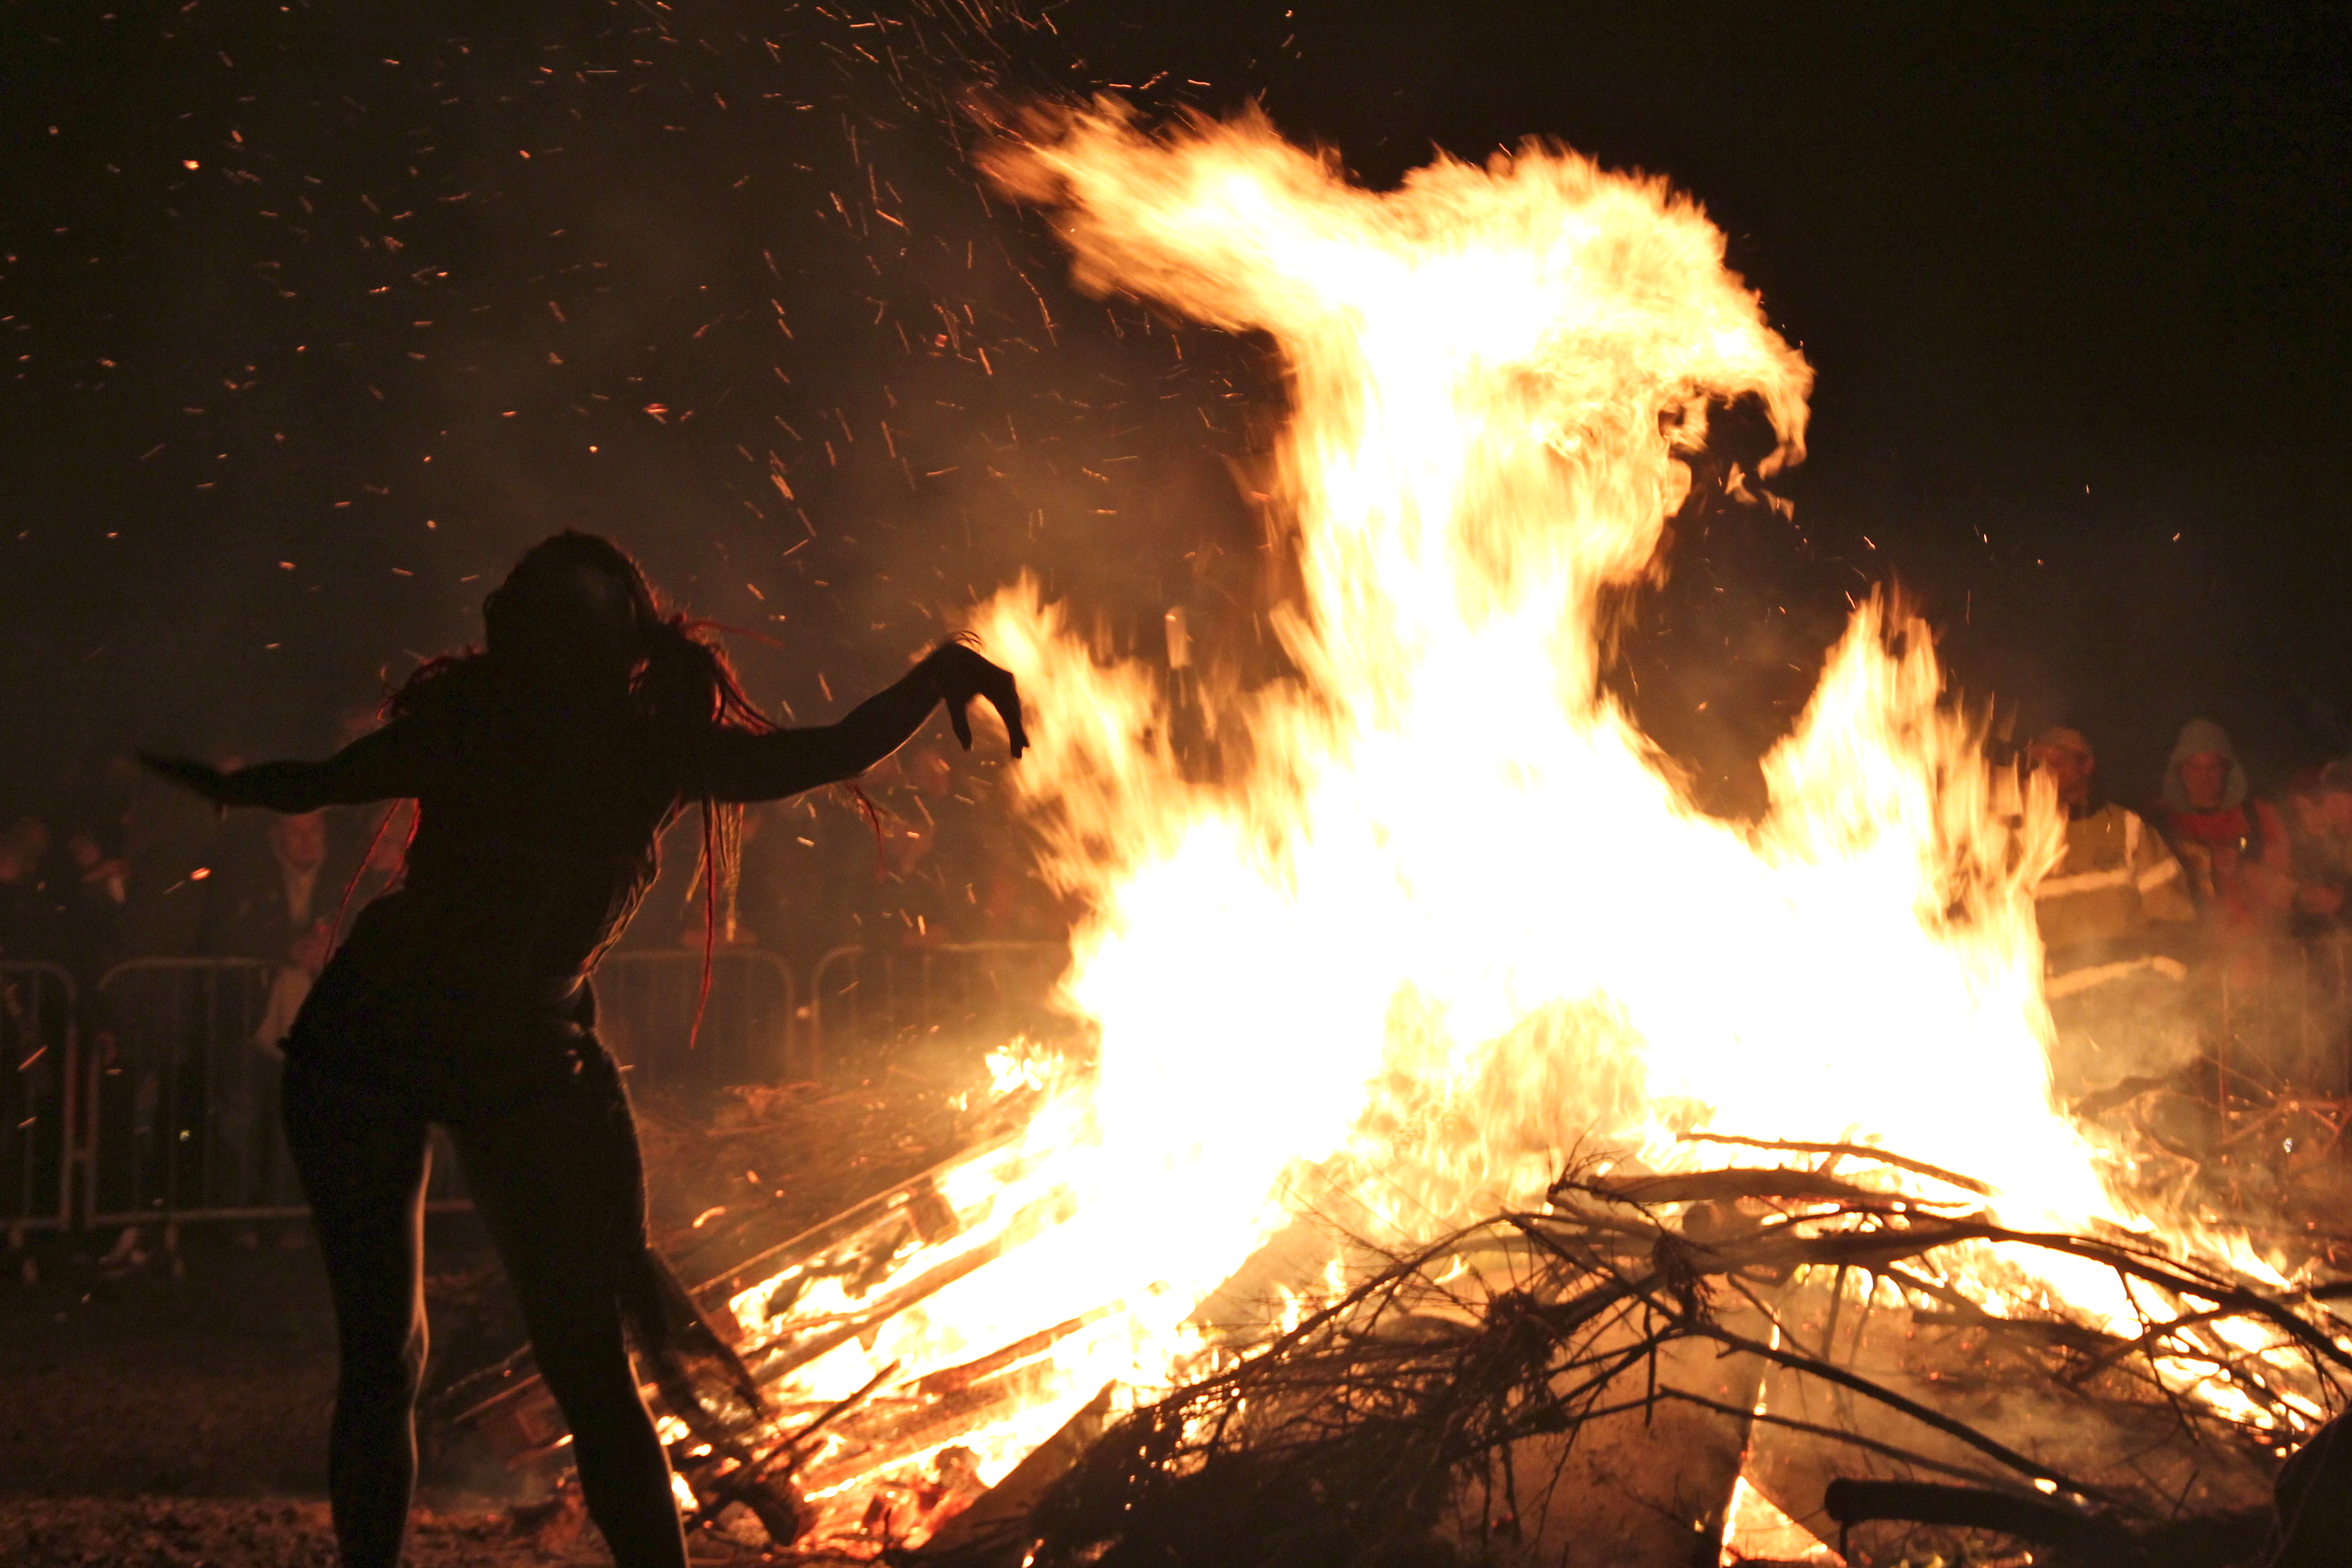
(311, 315)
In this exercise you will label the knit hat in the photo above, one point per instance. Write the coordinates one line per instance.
(2058, 738)
(2197, 737)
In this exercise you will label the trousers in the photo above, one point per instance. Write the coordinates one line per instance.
(557, 1182)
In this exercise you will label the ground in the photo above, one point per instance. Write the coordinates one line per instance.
(158, 1420)
(170, 1408)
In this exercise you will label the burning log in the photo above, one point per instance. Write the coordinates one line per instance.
(1498, 382)
(870, 1252)
(1407, 1409)
(1438, 1398)
(2078, 1535)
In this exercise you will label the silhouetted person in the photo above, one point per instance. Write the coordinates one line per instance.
(2116, 918)
(545, 767)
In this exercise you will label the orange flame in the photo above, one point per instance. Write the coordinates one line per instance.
(1455, 919)
(1456, 886)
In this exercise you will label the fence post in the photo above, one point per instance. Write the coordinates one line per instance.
(39, 1007)
(197, 1085)
(648, 1000)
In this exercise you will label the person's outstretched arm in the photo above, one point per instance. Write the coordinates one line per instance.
(386, 764)
(736, 764)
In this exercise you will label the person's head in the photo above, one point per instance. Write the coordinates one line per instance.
(2334, 798)
(300, 840)
(2205, 779)
(575, 610)
(576, 616)
(2203, 774)
(21, 848)
(2067, 758)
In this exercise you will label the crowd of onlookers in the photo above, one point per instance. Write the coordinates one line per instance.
(125, 867)
(131, 868)
(2209, 926)
(2207, 920)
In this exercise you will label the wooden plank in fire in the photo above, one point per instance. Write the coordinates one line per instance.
(508, 1403)
(905, 1422)
(917, 1198)
(774, 1362)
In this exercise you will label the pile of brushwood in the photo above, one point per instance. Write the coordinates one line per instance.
(2269, 1157)
(1426, 1415)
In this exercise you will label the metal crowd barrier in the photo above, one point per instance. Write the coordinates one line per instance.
(646, 1004)
(150, 1098)
(38, 1015)
(2279, 1014)
(179, 1099)
(182, 1099)
(864, 1002)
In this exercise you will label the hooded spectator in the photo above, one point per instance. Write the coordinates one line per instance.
(2235, 850)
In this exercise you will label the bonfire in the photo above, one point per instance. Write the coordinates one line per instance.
(1478, 1151)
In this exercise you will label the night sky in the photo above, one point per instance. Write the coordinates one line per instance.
(313, 314)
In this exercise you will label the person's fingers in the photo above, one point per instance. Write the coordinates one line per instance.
(1013, 726)
(960, 716)
(1004, 696)
(1007, 704)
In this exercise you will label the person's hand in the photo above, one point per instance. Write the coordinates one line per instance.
(314, 947)
(962, 675)
(189, 773)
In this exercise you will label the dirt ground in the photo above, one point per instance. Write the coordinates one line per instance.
(172, 1409)
(259, 1532)
(179, 1416)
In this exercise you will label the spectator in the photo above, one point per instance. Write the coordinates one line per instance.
(927, 851)
(2116, 903)
(2235, 850)
(382, 857)
(2319, 832)
(272, 898)
(263, 904)
(281, 908)
(31, 929)
(170, 841)
(2115, 916)
(93, 907)
(780, 863)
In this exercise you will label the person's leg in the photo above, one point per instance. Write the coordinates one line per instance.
(557, 1186)
(362, 1157)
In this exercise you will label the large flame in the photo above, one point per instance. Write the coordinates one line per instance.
(1455, 910)
(1449, 916)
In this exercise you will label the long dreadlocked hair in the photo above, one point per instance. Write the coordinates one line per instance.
(682, 682)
